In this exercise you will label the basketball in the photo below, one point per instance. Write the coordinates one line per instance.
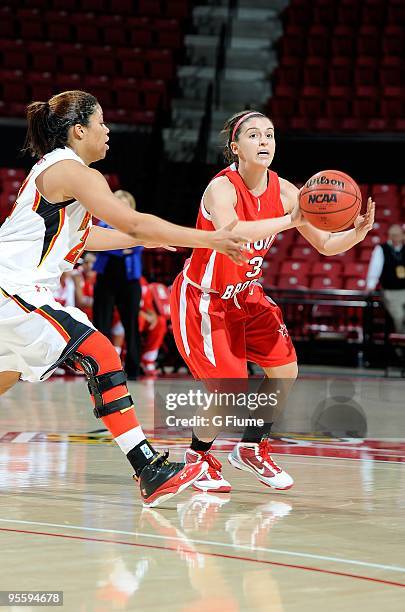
(330, 200)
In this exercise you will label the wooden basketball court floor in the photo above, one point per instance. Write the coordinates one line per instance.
(71, 517)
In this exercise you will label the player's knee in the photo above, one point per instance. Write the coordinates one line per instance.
(292, 370)
(106, 380)
(287, 371)
(8, 380)
(99, 348)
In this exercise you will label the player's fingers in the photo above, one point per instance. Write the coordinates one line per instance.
(241, 243)
(168, 248)
(241, 240)
(236, 257)
(242, 254)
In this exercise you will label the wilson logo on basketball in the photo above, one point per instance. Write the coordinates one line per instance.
(320, 198)
(323, 180)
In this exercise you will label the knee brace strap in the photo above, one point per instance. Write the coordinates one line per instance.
(97, 385)
(114, 406)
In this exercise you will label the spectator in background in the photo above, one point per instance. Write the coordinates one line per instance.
(152, 326)
(387, 266)
(117, 284)
(84, 278)
(65, 293)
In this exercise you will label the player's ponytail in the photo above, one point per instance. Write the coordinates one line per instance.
(231, 131)
(49, 122)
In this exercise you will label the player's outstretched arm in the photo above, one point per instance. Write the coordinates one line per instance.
(220, 201)
(91, 189)
(106, 239)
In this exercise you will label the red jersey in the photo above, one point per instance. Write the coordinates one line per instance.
(215, 272)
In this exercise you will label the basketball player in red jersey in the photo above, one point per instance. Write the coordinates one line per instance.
(220, 314)
(44, 235)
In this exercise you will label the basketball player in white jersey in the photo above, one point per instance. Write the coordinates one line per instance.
(44, 235)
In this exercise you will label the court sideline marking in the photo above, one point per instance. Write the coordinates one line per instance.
(209, 554)
(393, 568)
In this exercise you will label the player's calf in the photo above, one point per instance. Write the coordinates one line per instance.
(159, 478)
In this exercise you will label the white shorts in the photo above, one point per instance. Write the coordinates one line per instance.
(37, 333)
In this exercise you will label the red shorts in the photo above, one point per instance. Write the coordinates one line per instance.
(217, 337)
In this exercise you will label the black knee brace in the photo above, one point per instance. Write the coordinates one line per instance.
(97, 385)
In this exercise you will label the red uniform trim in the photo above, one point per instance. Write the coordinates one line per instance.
(37, 200)
(78, 249)
(85, 222)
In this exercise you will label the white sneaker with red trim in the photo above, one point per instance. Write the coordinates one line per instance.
(256, 458)
(212, 480)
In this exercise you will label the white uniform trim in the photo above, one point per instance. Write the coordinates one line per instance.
(206, 327)
(204, 305)
(204, 211)
(183, 314)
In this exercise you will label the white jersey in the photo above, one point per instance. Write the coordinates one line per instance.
(40, 240)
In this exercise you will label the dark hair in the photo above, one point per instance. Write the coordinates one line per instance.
(228, 128)
(49, 122)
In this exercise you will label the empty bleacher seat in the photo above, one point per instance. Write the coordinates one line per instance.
(386, 194)
(326, 282)
(103, 59)
(355, 270)
(73, 57)
(14, 54)
(58, 26)
(303, 253)
(292, 281)
(43, 55)
(42, 85)
(127, 92)
(131, 61)
(30, 24)
(100, 87)
(296, 268)
(113, 29)
(355, 284)
(327, 268)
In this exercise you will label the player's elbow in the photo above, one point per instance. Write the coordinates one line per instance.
(324, 252)
(320, 247)
(135, 228)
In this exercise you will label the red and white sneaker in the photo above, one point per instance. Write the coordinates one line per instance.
(161, 479)
(256, 458)
(212, 480)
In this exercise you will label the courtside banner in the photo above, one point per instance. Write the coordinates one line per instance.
(332, 407)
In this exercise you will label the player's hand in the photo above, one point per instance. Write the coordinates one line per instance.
(297, 218)
(364, 223)
(230, 244)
